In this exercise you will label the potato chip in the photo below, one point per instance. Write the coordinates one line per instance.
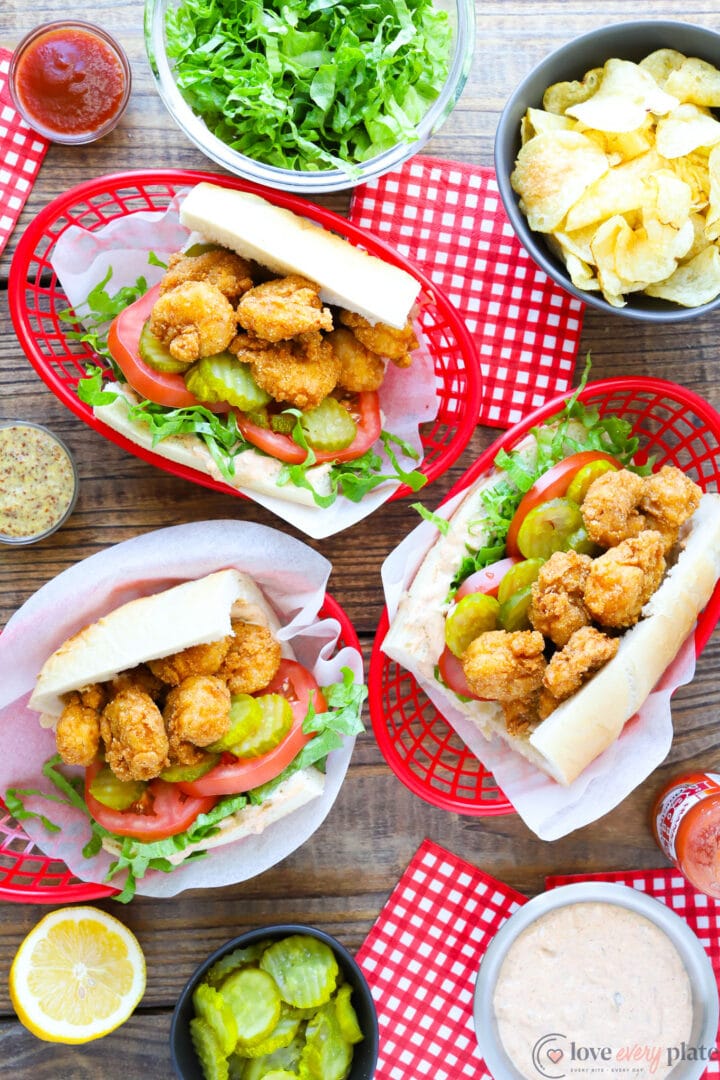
(661, 63)
(603, 248)
(551, 172)
(700, 240)
(693, 283)
(712, 217)
(684, 130)
(693, 169)
(671, 198)
(541, 121)
(577, 242)
(695, 81)
(626, 95)
(560, 96)
(650, 253)
(616, 192)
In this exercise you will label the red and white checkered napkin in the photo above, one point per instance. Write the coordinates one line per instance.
(448, 218)
(421, 959)
(21, 155)
(700, 912)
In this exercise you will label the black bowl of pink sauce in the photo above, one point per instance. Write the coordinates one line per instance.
(70, 81)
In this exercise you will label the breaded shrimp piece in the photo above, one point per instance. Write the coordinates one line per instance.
(521, 715)
(193, 320)
(382, 339)
(94, 696)
(253, 659)
(360, 369)
(300, 373)
(139, 678)
(197, 713)
(585, 653)
(668, 500)
(610, 508)
(228, 272)
(136, 743)
(557, 609)
(503, 666)
(282, 308)
(195, 660)
(78, 732)
(623, 579)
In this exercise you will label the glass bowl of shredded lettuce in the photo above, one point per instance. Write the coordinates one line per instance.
(310, 95)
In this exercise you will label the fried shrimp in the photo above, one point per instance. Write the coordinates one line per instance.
(669, 499)
(253, 659)
(301, 373)
(136, 743)
(624, 578)
(195, 660)
(197, 713)
(557, 609)
(382, 339)
(139, 678)
(227, 271)
(585, 653)
(78, 732)
(282, 308)
(193, 320)
(360, 369)
(503, 665)
(610, 509)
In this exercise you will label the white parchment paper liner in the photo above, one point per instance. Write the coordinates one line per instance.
(546, 807)
(408, 397)
(293, 578)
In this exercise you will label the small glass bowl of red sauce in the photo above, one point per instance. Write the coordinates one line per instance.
(70, 81)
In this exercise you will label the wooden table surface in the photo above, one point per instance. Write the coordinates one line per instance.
(340, 879)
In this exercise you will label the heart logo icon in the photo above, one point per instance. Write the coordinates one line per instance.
(555, 1056)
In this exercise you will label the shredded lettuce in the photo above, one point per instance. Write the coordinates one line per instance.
(135, 857)
(310, 84)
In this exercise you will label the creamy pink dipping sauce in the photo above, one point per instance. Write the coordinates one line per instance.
(598, 977)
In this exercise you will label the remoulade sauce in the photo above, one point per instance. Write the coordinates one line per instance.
(686, 824)
(70, 81)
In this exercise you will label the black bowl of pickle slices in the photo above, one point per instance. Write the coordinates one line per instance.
(281, 1000)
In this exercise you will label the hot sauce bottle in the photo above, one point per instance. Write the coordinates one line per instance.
(686, 824)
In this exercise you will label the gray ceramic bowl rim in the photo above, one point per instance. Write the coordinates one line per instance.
(276, 931)
(25, 541)
(304, 183)
(692, 953)
(534, 243)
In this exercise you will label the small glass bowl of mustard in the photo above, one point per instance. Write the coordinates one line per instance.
(38, 482)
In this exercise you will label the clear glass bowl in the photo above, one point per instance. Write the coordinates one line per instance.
(47, 501)
(462, 17)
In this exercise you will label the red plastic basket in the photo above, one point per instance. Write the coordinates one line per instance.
(28, 876)
(676, 427)
(36, 297)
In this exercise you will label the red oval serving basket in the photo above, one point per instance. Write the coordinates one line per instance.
(676, 427)
(26, 875)
(36, 298)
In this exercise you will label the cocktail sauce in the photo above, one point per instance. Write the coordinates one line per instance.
(70, 81)
(686, 824)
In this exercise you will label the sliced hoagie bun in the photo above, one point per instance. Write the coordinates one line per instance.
(193, 613)
(288, 244)
(586, 724)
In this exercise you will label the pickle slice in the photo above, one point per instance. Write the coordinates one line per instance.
(346, 1016)
(281, 1036)
(185, 774)
(286, 1059)
(115, 793)
(255, 1001)
(470, 617)
(233, 961)
(326, 1054)
(329, 426)
(519, 577)
(217, 1014)
(245, 719)
(225, 378)
(283, 423)
(304, 968)
(276, 719)
(155, 355)
(213, 1062)
(280, 1074)
(515, 612)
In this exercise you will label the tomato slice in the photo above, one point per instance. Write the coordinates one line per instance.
(486, 580)
(164, 388)
(551, 485)
(233, 775)
(365, 411)
(452, 674)
(169, 810)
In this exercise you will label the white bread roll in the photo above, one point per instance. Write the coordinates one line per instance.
(289, 244)
(193, 613)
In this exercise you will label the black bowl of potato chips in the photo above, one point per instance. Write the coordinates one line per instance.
(608, 164)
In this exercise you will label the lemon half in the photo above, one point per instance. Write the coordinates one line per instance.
(77, 976)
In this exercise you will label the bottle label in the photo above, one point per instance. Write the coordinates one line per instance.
(676, 804)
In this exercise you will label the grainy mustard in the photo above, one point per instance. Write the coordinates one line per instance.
(37, 481)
